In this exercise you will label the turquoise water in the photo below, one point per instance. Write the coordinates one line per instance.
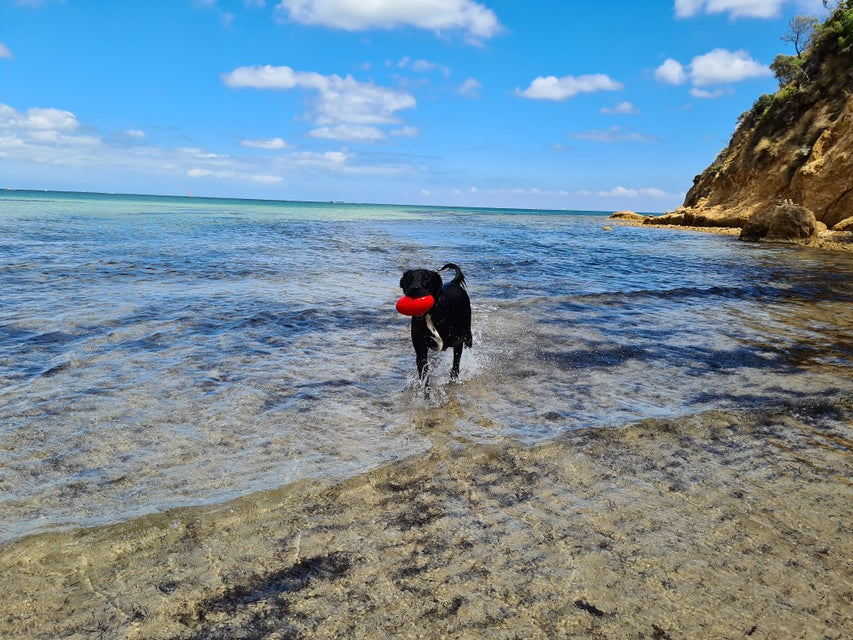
(163, 351)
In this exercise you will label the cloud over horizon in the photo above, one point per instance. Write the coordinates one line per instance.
(48, 136)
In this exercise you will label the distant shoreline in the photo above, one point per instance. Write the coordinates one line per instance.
(11, 191)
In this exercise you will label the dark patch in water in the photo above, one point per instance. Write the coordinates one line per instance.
(695, 359)
(596, 357)
(658, 633)
(446, 610)
(260, 606)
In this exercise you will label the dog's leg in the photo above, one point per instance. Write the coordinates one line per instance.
(457, 358)
(421, 359)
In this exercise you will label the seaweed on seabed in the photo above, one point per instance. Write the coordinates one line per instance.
(589, 608)
(270, 592)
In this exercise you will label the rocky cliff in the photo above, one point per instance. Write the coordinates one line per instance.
(795, 146)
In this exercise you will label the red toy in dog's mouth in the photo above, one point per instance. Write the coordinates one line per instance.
(415, 306)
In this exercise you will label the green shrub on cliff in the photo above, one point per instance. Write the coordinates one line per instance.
(788, 70)
(835, 35)
(845, 37)
(823, 50)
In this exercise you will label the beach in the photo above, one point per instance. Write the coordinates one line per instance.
(204, 435)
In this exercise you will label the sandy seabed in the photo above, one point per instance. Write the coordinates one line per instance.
(718, 525)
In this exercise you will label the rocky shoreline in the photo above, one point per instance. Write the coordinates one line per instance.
(782, 223)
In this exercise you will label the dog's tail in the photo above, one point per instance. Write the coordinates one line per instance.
(458, 278)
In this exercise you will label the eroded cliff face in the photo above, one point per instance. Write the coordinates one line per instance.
(809, 160)
(796, 145)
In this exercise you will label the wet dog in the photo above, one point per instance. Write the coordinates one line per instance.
(447, 324)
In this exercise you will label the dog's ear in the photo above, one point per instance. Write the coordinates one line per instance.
(406, 280)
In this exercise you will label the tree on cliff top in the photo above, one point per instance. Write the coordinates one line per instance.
(800, 32)
(814, 43)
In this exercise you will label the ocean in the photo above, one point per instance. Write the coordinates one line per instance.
(166, 356)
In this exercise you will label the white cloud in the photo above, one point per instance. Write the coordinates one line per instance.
(625, 192)
(264, 179)
(4, 51)
(199, 173)
(340, 101)
(54, 119)
(405, 132)
(423, 66)
(613, 134)
(476, 20)
(328, 158)
(526, 191)
(470, 88)
(232, 175)
(419, 66)
(716, 67)
(671, 72)
(135, 133)
(354, 133)
(623, 108)
(37, 130)
(272, 144)
(706, 94)
(269, 77)
(721, 66)
(201, 154)
(735, 8)
(349, 101)
(553, 88)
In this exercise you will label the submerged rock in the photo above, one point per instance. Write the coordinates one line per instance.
(782, 222)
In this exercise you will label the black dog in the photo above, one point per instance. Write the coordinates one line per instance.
(447, 324)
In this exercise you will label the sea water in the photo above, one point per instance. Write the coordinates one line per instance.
(211, 426)
(165, 351)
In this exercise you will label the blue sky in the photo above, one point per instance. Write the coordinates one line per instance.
(554, 104)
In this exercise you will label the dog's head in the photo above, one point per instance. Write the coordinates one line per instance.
(421, 282)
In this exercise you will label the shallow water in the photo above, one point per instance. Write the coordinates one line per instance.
(720, 525)
(158, 353)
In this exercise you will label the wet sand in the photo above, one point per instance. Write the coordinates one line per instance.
(718, 525)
